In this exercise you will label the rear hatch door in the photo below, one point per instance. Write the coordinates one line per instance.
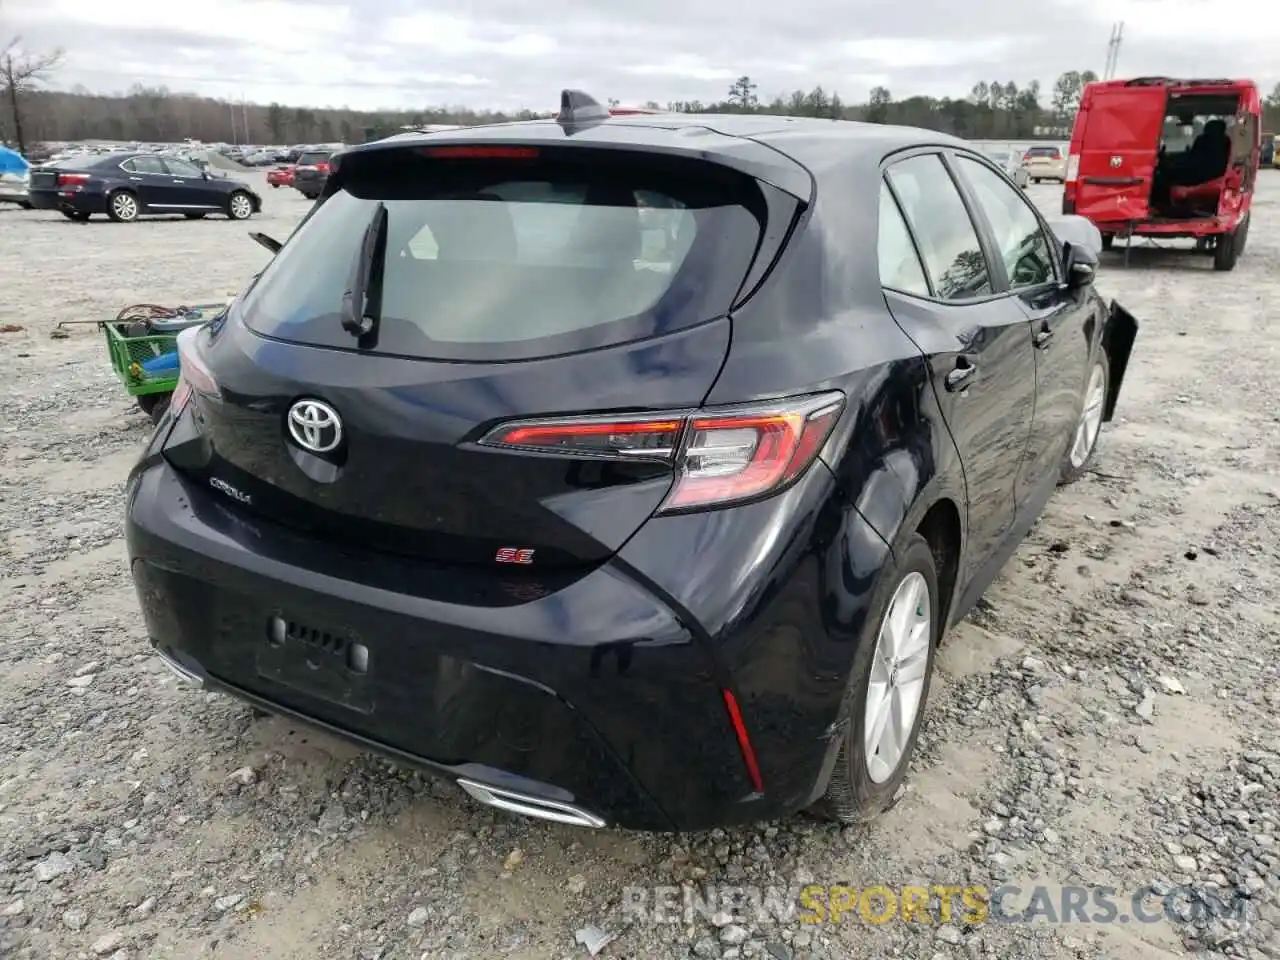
(517, 285)
(1121, 140)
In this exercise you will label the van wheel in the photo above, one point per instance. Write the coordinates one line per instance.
(1227, 251)
(1242, 236)
(1035, 179)
(888, 689)
(1108, 241)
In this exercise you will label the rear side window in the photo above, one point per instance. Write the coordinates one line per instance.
(941, 225)
(1027, 255)
(900, 267)
(514, 259)
(146, 165)
(1051, 153)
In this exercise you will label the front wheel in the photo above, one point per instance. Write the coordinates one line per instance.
(76, 216)
(888, 689)
(239, 206)
(1093, 408)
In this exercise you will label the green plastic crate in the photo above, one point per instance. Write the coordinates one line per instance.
(128, 353)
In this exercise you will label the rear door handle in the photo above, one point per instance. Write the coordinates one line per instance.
(135, 178)
(959, 378)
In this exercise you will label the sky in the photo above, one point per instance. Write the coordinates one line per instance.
(512, 54)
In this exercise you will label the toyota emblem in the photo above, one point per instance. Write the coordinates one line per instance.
(315, 426)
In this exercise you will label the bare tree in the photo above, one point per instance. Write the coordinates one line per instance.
(20, 72)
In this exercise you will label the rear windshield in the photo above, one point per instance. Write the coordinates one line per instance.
(514, 259)
(1051, 152)
(314, 157)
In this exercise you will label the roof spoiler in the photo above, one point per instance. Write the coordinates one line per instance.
(579, 110)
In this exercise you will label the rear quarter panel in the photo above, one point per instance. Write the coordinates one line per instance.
(807, 571)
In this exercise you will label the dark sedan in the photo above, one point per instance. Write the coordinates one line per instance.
(126, 186)
(644, 517)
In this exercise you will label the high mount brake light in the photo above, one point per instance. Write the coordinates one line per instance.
(480, 153)
(193, 372)
(721, 456)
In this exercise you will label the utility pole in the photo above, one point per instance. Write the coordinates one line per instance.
(244, 107)
(1113, 50)
(235, 136)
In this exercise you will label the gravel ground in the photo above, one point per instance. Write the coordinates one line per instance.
(1107, 716)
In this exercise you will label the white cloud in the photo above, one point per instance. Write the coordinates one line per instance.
(509, 54)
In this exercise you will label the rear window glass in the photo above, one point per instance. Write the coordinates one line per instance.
(514, 259)
(1051, 152)
(309, 158)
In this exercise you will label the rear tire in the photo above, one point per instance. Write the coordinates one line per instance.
(863, 786)
(1227, 251)
(123, 206)
(76, 216)
(194, 216)
(1108, 241)
(1083, 445)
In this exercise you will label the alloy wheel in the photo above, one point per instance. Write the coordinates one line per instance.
(898, 673)
(125, 206)
(1090, 423)
(241, 207)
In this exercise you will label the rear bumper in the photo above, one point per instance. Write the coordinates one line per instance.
(71, 201)
(605, 694)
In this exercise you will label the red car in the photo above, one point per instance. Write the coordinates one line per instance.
(1169, 159)
(281, 176)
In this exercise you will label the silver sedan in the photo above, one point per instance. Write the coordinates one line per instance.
(1011, 164)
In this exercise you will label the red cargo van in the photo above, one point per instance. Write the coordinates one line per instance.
(1167, 158)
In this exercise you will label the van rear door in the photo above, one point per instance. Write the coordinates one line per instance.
(1246, 155)
(1118, 152)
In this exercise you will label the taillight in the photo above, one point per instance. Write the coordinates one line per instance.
(721, 456)
(72, 179)
(193, 372)
(481, 153)
(322, 167)
(1073, 168)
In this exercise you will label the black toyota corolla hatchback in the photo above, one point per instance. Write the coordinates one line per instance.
(625, 471)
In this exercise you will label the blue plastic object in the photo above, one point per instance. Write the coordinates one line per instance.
(165, 363)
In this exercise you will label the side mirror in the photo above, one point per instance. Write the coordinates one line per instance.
(1082, 266)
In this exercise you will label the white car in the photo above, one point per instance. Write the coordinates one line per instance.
(1007, 161)
(13, 189)
(1045, 163)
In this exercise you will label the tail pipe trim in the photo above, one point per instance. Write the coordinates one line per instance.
(530, 806)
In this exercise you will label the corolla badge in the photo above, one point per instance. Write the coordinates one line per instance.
(315, 426)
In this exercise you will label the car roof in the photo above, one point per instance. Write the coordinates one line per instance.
(1181, 85)
(821, 147)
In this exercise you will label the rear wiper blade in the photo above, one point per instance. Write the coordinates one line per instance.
(271, 243)
(362, 300)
